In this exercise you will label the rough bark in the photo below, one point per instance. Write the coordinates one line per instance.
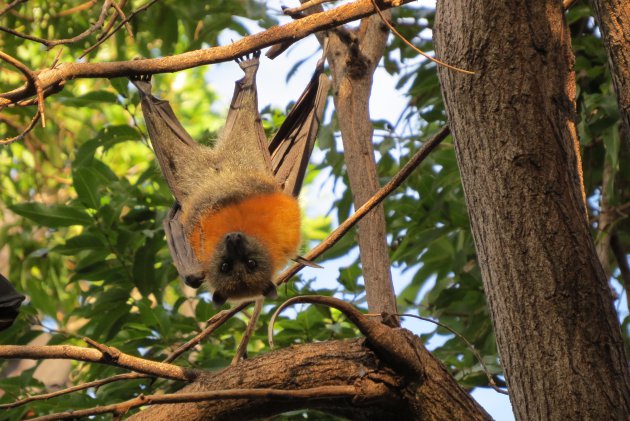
(514, 130)
(605, 222)
(382, 393)
(613, 19)
(353, 58)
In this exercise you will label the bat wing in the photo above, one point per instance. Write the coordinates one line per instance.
(188, 267)
(243, 134)
(291, 147)
(10, 301)
(168, 136)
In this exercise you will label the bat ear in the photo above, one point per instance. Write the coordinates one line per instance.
(307, 262)
(291, 147)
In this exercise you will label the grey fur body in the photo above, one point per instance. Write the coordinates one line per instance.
(240, 165)
(202, 178)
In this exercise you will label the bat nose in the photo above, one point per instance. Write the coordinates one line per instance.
(234, 237)
(235, 243)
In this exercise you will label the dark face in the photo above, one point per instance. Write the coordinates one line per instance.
(240, 268)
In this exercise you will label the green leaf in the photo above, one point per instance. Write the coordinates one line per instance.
(144, 268)
(86, 183)
(80, 243)
(53, 216)
(348, 277)
(89, 99)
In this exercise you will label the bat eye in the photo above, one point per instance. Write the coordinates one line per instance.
(225, 267)
(251, 264)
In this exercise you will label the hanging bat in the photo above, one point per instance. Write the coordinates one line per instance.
(236, 220)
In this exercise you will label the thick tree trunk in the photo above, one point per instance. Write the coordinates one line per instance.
(613, 19)
(381, 392)
(514, 130)
(353, 58)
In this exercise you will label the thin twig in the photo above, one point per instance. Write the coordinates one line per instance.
(470, 346)
(416, 49)
(109, 352)
(322, 392)
(213, 324)
(31, 80)
(120, 25)
(20, 136)
(51, 43)
(77, 388)
(10, 6)
(377, 198)
(75, 9)
(251, 326)
(121, 13)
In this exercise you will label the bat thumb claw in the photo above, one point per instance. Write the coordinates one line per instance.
(301, 260)
(218, 299)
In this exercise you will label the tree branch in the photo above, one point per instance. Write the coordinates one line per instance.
(122, 360)
(277, 34)
(10, 6)
(383, 393)
(315, 393)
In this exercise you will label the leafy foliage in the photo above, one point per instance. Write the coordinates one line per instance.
(82, 204)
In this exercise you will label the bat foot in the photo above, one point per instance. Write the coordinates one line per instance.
(141, 78)
(249, 60)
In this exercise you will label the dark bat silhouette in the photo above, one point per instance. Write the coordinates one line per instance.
(10, 301)
(236, 218)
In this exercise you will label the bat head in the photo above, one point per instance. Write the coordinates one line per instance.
(240, 268)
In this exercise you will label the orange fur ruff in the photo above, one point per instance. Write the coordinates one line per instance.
(273, 219)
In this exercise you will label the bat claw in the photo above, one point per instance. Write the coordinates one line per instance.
(194, 281)
(142, 78)
(270, 291)
(248, 60)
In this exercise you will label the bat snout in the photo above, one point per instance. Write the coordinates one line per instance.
(235, 243)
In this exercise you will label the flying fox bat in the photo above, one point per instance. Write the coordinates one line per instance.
(236, 220)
